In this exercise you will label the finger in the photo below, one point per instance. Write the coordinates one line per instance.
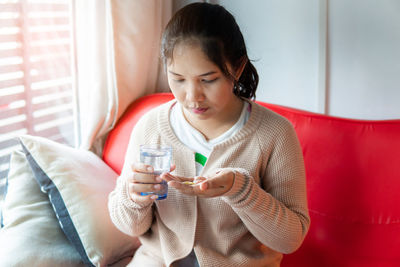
(143, 168)
(199, 179)
(183, 188)
(169, 177)
(200, 189)
(173, 167)
(137, 197)
(204, 190)
(189, 188)
(203, 186)
(217, 185)
(143, 188)
(139, 177)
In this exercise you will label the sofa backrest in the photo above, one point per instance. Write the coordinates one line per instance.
(353, 184)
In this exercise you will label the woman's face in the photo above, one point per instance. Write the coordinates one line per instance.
(204, 92)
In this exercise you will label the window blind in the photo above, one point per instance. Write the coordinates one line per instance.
(36, 82)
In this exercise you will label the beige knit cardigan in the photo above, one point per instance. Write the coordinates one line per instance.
(262, 216)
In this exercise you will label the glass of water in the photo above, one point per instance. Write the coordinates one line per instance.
(158, 156)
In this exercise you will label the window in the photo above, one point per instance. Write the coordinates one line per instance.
(36, 82)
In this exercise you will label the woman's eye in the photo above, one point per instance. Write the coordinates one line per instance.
(209, 81)
(179, 80)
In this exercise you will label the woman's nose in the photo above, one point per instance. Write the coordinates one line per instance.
(194, 93)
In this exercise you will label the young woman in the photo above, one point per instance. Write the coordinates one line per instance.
(237, 194)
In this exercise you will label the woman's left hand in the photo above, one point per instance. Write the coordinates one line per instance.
(213, 186)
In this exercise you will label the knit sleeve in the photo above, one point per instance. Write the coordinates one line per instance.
(128, 216)
(277, 214)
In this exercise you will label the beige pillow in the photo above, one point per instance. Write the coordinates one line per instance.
(78, 183)
(31, 235)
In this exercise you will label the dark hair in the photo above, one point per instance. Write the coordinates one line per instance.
(220, 38)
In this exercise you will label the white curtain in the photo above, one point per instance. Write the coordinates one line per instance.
(117, 60)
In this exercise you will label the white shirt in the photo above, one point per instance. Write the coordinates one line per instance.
(195, 140)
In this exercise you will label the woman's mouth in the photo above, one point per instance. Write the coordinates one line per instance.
(199, 110)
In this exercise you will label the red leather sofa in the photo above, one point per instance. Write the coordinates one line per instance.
(353, 184)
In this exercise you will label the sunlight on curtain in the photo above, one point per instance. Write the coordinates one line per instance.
(117, 47)
(36, 78)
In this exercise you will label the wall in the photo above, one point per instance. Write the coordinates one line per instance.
(339, 57)
(364, 58)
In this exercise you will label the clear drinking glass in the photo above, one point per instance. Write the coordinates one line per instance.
(158, 156)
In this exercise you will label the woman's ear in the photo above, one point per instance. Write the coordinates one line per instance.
(239, 71)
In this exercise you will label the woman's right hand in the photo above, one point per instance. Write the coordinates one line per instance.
(143, 180)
